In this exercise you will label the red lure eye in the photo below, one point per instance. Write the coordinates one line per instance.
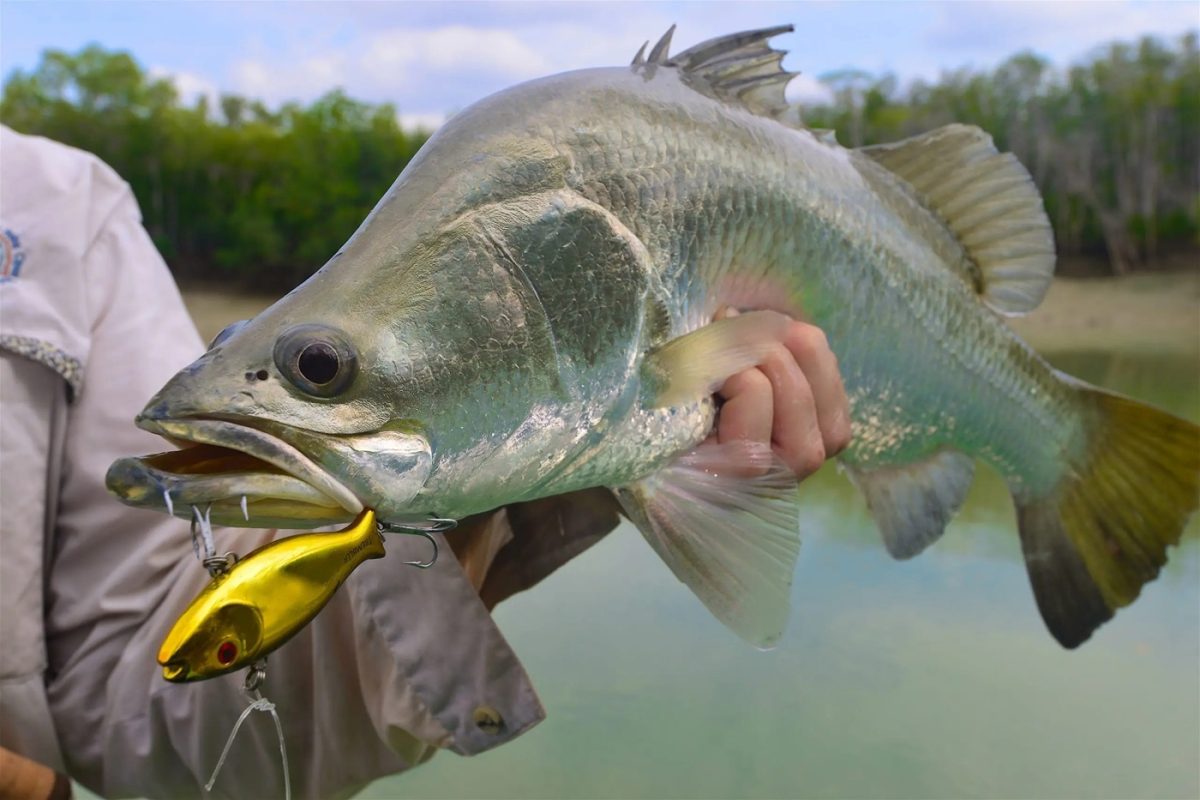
(227, 652)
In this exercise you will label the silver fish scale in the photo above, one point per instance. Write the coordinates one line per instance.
(505, 293)
(750, 203)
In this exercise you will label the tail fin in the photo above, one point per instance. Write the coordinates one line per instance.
(1091, 544)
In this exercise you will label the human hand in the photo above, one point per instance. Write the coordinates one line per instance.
(793, 401)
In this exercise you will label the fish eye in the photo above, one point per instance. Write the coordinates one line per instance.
(226, 332)
(226, 652)
(318, 360)
(318, 363)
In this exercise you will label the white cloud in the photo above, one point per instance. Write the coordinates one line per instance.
(428, 120)
(399, 65)
(254, 79)
(1063, 30)
(807, 90)
(304, 79)
(191, 87)
(455, 47)
(433, 58)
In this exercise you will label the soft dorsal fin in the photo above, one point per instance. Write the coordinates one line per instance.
(740, 68)
(990, 203)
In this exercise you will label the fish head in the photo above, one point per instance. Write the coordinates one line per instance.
(421, 372)
(214, 636)
(288, 420)
(342, 395)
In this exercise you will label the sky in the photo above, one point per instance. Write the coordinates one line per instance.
(430, 59)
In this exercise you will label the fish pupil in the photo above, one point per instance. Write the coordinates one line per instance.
(318, 362)
(227, 652)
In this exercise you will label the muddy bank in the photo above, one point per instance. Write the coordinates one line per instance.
(1145, 311)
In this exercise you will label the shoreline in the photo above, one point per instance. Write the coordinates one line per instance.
(1151, 311)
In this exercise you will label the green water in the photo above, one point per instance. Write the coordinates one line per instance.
(927, 678)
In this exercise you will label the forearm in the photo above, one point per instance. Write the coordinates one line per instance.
(22, 779)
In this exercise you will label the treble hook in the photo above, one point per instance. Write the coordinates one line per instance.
(430, 562)
(430, 525)
(424, 529)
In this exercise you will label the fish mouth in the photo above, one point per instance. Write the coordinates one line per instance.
(235, 473)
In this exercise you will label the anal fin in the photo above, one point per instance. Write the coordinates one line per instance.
(725, 519)
(913, 503)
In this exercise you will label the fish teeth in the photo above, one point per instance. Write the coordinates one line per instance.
(167, 500)
(245, 511)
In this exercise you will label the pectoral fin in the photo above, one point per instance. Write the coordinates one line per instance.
(725, 519)
(696, 364)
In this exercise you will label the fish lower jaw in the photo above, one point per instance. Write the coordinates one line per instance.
(245, 499)
(239, 475)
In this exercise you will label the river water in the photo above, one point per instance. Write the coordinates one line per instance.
(928, 678)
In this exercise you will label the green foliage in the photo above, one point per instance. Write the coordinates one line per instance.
(258, 196)
(1113, 143)
(234, 192)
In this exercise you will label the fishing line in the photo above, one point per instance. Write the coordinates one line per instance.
(202, 535)
(257, 703)
(203, 522)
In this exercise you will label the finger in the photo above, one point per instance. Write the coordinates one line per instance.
(810, 349)
(748, 408)
(795, 432)
(746, 415)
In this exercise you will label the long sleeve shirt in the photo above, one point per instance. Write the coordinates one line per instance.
(400, 663)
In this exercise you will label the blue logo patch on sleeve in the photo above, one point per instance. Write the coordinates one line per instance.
(11, 257)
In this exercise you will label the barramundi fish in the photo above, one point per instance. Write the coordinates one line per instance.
(529, 311)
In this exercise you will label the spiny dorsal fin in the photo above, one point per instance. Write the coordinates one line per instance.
(740, 68)
(658, 53)
(990, 203)
(639, 57)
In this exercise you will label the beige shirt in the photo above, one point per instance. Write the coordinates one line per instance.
(401, 662)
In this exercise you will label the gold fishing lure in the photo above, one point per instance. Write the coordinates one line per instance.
(264, 599)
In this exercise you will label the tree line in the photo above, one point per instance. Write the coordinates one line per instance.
(236, 191)
(1112, 142)
(230, 191)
